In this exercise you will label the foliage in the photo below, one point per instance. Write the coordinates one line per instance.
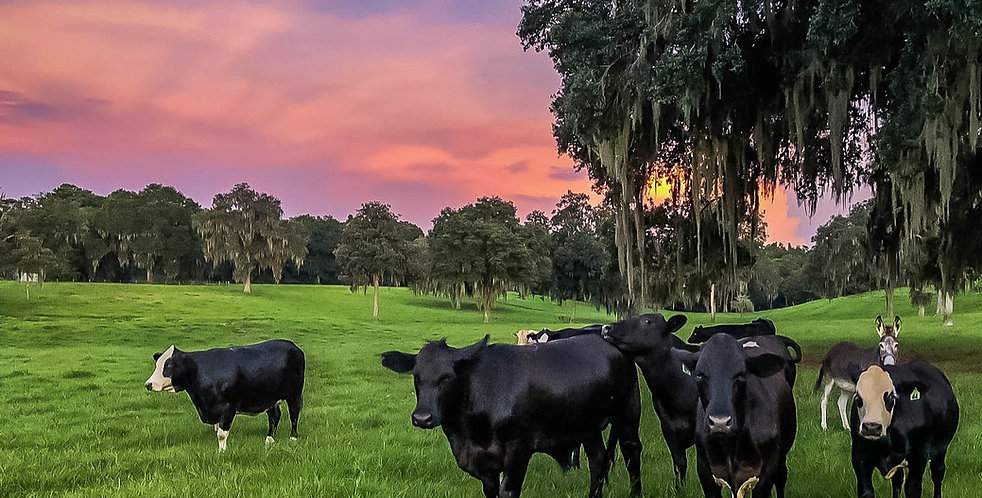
(244, 227)
(319, 265)
(742, 304)
(374, 247)
(481, 250)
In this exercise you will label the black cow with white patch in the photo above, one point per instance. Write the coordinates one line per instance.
(241, 379)
(903, 417)
(546, 335)
(498, 404)
(760, 326)
(745, 418)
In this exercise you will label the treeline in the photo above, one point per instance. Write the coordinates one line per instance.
(479, 251)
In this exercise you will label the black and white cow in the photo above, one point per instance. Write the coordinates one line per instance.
(745, 418)
(546, 335)
(242, 379)
(903, 416)
(760, 326)
(498, 404)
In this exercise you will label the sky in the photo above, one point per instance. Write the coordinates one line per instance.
(420, 104)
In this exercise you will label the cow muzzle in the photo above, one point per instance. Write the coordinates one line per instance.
(424, 420)
(720, 425)
(871, 430)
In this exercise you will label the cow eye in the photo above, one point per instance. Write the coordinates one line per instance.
(889, 399)
(858, 401)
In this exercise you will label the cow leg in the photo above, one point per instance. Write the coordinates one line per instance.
(274, 420)
(224, 426)
(516, 465)
(492, 485)
(937, 472)
(843, 401)
(631, 450)
(915, 478)
(825, 403)
(898, 484)
(780, 478)
(294, 405)
(864, 476)
(597, 456)
(679, 464)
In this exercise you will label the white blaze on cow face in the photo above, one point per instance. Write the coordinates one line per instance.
(875, 400)
(157, 381)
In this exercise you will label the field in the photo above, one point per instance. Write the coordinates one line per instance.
(77, 420)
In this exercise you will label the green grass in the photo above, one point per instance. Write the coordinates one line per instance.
(77, 420)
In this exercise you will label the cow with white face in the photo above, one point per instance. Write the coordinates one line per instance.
(903, 416)
(243, 379)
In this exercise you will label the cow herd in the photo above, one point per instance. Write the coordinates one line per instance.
(728, 392)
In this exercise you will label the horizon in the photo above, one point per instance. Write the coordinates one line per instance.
(419, 105)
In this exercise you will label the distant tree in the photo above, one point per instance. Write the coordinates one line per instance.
(579, 265)
(62, 221)
(481, 250)
(30, 259)
(840, 255)
(151, 230)
(374, 248)
(320, 266)
(244, 227)
(539, 242)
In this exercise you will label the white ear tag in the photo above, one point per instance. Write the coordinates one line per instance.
(751, 344)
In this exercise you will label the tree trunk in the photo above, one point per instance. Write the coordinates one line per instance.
(947, 308)
(920, 311)
(487, 313)
(572, 314)
(889, 296)
(375, 303)
(248, 284)
(712, 303)
(149, 276)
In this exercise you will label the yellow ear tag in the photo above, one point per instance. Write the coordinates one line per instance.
(915, 395)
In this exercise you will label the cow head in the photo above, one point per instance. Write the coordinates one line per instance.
(874, 402)
(540, 337)
(523, 336)
(888, 340)
(642, 334)
(438, 371)
(720, 370)
(173, 371)
(698, 336)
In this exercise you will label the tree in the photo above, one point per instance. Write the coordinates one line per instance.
(579, 265)
(840, 254)
(480, 250)
(817, 96)
(244, 227)
(320, 265)
(374, 247)
(62, 221)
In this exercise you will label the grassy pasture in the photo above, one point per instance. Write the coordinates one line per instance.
(77, 420)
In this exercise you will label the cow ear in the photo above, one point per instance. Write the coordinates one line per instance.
(399, 362)
(765, 365)
(468, 354)
(879, 326)
(896, 326)
(674, 323)
(156, 356)
(688, 359)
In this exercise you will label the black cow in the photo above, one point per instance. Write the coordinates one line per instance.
(648, 341)
(775, 344)
(546, 335)
(902, 417)
(760, 326)
(241, 379)
(745, 418)
(498, 404)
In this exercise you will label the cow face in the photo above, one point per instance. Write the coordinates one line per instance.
(523, 336)
(698, 335)
(875, 399)
(159, 381)
(438, 371)
(720, 370)
(642, 334)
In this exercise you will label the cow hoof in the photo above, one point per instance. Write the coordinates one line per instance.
(270, 440)
(293, 438)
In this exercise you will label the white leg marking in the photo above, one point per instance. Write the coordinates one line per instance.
(292, 438)
(216, 429)
(843, 400)
(222, 438)
(269, 440)
(825, 403)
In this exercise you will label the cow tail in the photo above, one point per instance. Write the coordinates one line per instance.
(797, 349)
(821, 375)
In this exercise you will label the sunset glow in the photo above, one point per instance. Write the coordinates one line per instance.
(419, 104)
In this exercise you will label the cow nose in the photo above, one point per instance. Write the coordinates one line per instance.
(149, 386)
(605, 331)
(423, 420)
(720, 424)
(871, 429)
